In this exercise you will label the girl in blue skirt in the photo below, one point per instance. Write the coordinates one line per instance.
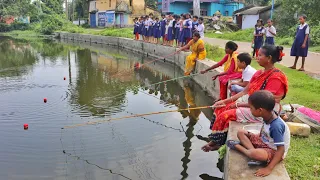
(170, 31)
(301, 43)
(258, 36)
(195, 24)
(177, 30)
(187, 26)
(163, 28)
(136, 29)
(141, 26)
(181, 35)
(150, 31)
(146, 28)
(157, 31)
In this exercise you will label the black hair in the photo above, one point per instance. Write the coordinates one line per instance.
(146, 16)
(136, 18)
(196, 34)
(184, 16)
(232, 45)
(245, 57)
(196, 17)
(303, 16)
(201, 18)
(261, 21)
(150, 14)
(262, 99)
(274, 51)
(163, 15)
(157, 18)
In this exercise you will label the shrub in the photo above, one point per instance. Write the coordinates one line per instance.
(5, 27)
(214, 52)
(85, 25)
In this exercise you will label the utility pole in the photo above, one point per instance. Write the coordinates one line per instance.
(66, 1)
(196, 8)
(272, 9)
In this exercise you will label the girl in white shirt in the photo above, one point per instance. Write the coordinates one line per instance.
(270, 33)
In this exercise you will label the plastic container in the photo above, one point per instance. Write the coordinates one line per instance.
(299, 129)
(254, 128)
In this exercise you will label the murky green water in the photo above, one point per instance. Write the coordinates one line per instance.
(155, 147)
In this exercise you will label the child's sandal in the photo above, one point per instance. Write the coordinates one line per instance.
(256, 163)
(231, 143)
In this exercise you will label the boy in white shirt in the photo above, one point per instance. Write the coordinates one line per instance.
(270, 146)
(270, 33)
(200, 27)
(244, 61)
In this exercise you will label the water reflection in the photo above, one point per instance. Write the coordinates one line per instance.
(153, 147)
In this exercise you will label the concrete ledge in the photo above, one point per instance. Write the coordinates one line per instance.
(236, 167)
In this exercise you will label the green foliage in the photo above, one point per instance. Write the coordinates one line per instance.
(151, 3)
(214, 52)
(303, 160)
(14, 26)
(243, 35)
(222, 151)
(16, 8)
(52, 6)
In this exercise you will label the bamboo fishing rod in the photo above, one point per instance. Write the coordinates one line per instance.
(132, 116)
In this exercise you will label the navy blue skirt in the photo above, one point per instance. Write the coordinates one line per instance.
(187, 33)
(269, 40)
(258, 42)
(150, 32)
(176, 34)
(170, 34)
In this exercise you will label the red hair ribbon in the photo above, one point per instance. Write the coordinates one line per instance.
(281, 54)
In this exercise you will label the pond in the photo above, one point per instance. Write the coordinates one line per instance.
(84, 83)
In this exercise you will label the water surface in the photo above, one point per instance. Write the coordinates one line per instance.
(100, 84)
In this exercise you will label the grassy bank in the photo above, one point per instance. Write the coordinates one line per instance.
(247, 36)
(303, 160)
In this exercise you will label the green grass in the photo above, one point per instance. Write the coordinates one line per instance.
(23, 34)
(247, 36)
(303, 159)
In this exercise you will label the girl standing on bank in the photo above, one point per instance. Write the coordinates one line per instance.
(157, 31)
(258, 36)
(301, 43)
(181, 35)
(136, 28)
(187, 26)
(163, 28)
(177, 30)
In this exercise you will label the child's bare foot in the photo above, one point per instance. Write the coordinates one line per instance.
(208, 147)
(292, 67)
(301, 69)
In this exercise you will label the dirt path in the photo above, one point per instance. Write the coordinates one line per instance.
(312, 61)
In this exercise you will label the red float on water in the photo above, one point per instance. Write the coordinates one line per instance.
(25, 126)
(45, 100)
(64, 78)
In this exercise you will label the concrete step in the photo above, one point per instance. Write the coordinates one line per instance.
(236, 167)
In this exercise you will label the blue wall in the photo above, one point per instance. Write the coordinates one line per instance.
(184, 7)
(180, 7)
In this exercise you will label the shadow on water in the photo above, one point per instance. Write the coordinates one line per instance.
(94, 90)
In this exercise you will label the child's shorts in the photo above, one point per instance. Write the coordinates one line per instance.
(258, 143)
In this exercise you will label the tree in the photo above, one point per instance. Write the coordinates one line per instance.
(16, 7)
(52, 6)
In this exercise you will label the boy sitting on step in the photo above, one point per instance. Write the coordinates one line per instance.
(244, 61)
(271, 145)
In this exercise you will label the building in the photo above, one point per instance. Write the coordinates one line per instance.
(120, 13)
(207, 7)
(247, 17)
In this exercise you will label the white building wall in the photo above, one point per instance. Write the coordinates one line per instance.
(249, 21)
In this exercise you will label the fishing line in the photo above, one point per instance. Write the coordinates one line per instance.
(129, 70)
(132, 116)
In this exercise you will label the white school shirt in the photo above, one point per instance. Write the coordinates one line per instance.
(307, 29)
(247, 73)
(171, 23)
(200, 29)
(167, 27)
(272, 29)
(262, 32)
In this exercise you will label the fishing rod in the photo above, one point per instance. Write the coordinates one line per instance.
(129, 70)
(132, 116)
